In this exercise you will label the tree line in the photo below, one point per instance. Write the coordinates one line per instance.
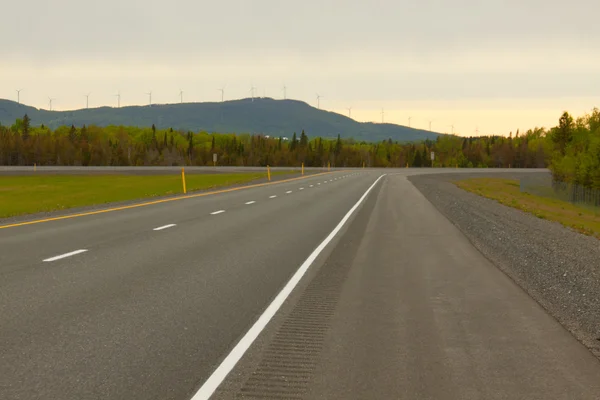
(571, 149)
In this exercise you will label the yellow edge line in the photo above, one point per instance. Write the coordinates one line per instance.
(149, 203)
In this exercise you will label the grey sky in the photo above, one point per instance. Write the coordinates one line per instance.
(452, 61)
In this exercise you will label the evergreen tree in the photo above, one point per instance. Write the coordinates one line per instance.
(25, 127)
(73, 134)
(563, 134)
(303, 140)
(293, 142)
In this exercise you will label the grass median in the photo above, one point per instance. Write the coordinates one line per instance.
(29, 194)
(507, 192)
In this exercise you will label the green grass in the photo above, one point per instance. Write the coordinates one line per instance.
(32, 194)
(507, 192)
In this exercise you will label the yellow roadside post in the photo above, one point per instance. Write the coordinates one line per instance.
(363, 164)
(406, 165)
(183, 180)
(302, 169)
(269, 173)
(34, 167)
(328, 166)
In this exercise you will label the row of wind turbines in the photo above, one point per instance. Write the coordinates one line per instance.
(253, 90)
(222, 90)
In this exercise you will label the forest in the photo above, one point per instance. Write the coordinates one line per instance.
(571, 149)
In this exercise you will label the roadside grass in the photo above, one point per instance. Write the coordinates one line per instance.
(29, 194)
(507, 192)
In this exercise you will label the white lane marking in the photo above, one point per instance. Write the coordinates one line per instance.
(160, 228)
(319, 183)
(301, 189)
(331, 180)
(312, 186)
(288, 192)
(272, 197)
(217, 377)
(217, 212)
(65, 255)
(250, 202)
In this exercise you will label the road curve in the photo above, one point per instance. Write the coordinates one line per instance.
(146, 303)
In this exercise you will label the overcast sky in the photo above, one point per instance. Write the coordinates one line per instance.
(490, 65)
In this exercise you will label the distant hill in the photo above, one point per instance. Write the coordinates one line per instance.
(263, 115)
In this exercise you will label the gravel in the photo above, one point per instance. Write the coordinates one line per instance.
(558, 267)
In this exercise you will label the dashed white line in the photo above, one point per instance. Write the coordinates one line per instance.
(218, 376)
(65, 255)
(272, 197)
(250, 202)
(312, 186)
(217, 212)
(319, 183)
(301, 189)
(288, 192)
(160, 228)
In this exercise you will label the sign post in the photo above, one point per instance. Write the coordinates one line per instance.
(214, 159)
(432, 158)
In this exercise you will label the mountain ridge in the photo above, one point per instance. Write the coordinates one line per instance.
(256, 116)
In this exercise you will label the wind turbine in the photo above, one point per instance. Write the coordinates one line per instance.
(19, 96)
(222, 90)
(252, 89)
(150, 98)
(382, 115)
(430, 121)
(319, 100)
(477, 130)
(349, 112)
(409, 118)
(284, 92)
(87, 100)
(118, 95)
(50, 102)
(181, 96)
(452, 126)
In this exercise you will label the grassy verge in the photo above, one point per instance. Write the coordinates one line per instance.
(31, 194)
(507, 192)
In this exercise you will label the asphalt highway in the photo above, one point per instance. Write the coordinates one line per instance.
(372, 294)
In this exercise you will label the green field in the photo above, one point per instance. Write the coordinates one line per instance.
(42, 193)
(507, 192)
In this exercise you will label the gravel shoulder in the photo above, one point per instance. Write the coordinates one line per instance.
(558, 267)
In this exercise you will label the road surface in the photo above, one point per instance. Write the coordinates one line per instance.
(372, 293)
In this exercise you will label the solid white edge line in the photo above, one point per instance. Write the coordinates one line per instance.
(301, 189)
(250, 202)
(288, 192)
(219, 374)
(272, 197)
(65, 255)
(160, 228)
(217, 212)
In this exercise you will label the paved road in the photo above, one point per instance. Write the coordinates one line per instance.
(398, 305)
